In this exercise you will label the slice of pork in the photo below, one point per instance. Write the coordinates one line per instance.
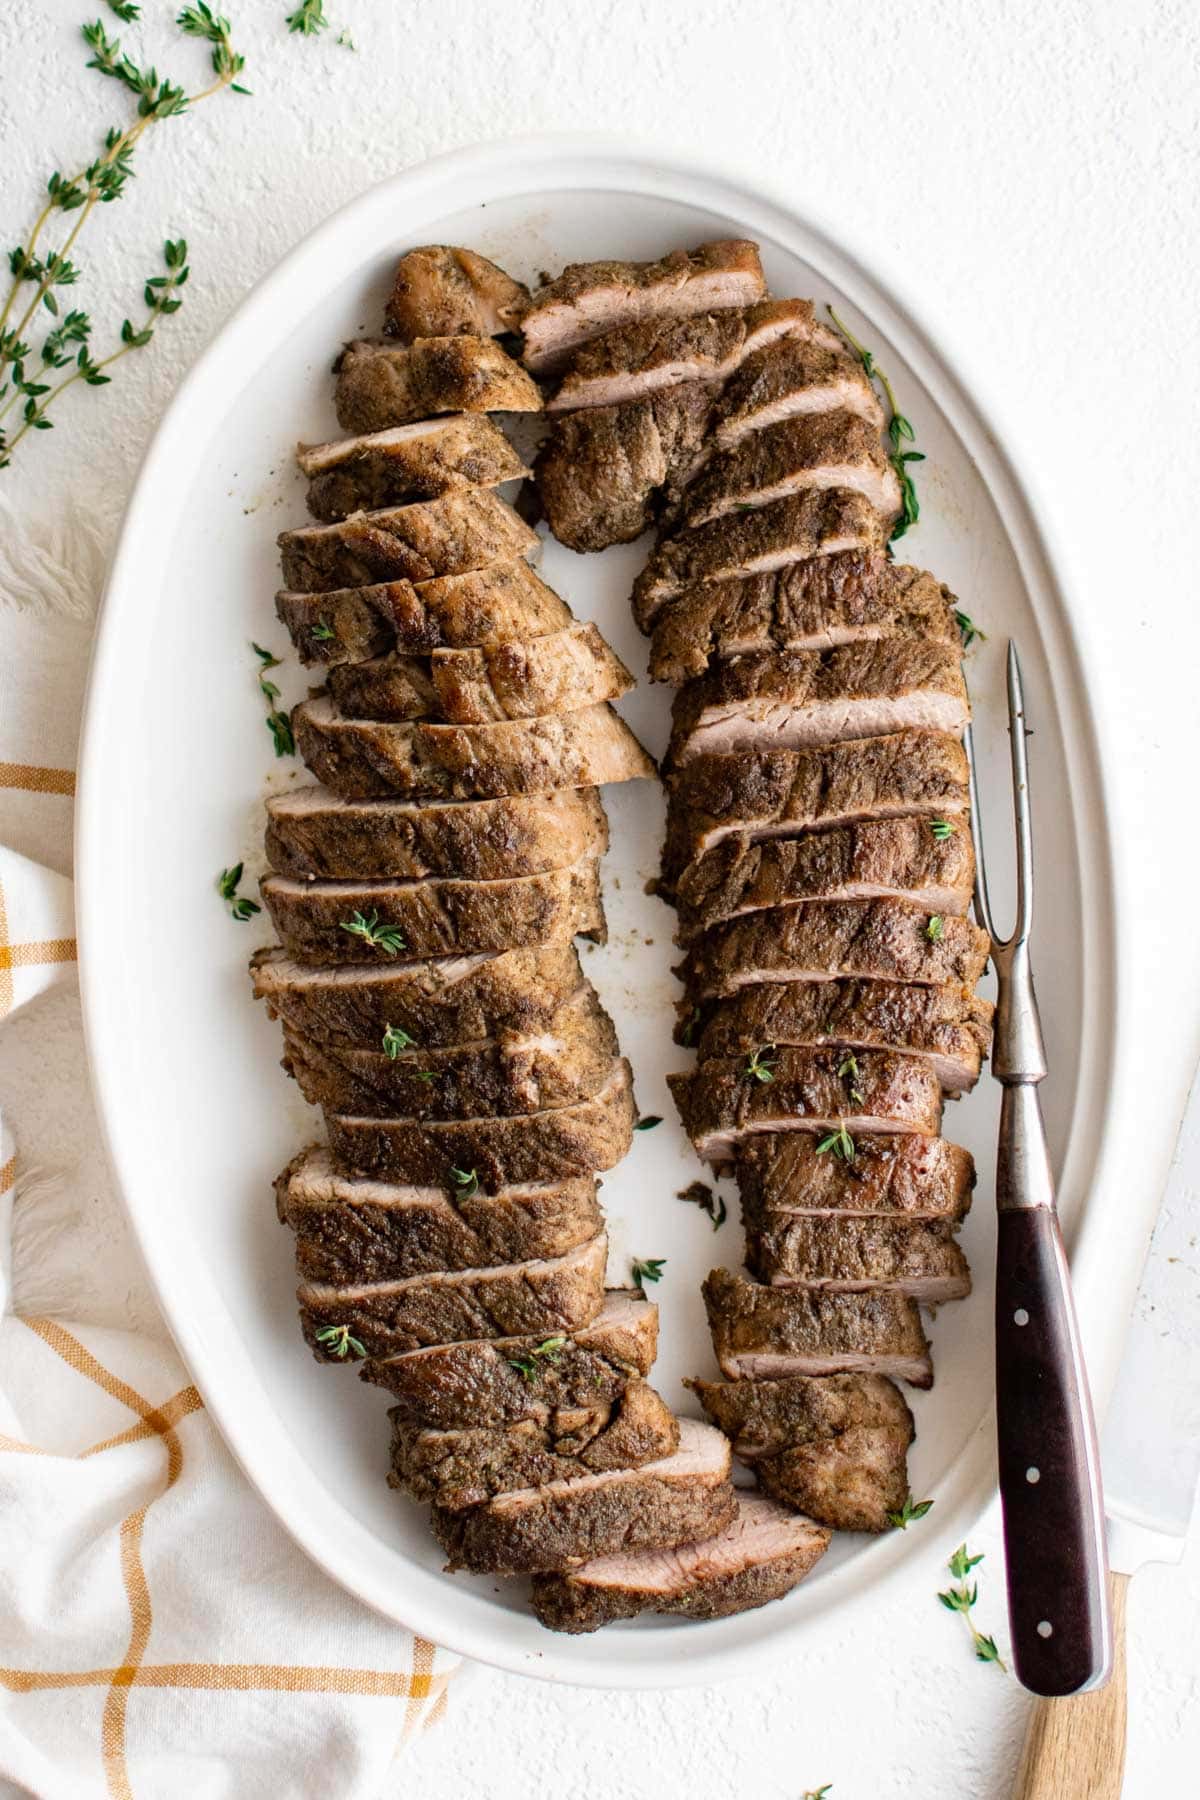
(497, 1153)
(602, 472)
(802, 697)
(885, 940)
(446, 1307)
(725, 1100)
(498, 1077)
(360, 759)
(410, 462)
(778, 793)
(446, 1000)
(589, 298)
(460, 531)
(855, 1482)
(814, 605)
(676, 1500)
(762, 1554)
(378, 386)
(486, 1384)
(793, 378)
(820, 522)
(765, 1333)
(375, 921)
(948, 1027)
(635, 360)
(821, 450)
(442, 290)
(564, 671)
(904, 859)
(312, 834)
(349, 1230)
(469, 1466)
(918, 1257)
(781, 1176)
(481, 606)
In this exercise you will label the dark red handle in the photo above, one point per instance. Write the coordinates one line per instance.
(1049, 1468)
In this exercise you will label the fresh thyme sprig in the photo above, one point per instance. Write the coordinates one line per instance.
(308, 18)
(549, 1350)
(125, 10)
(701, 1195)
(848, 1072)
(649, 1270)
(384, 937)
(278, 723)
(336, 1340)
(101, 181)
(466, 1181)
(912, 1509)
(962, 1597)
(900, 432)
(840, 1143)
(760, 1064)
(240, 908)
(396, 1039)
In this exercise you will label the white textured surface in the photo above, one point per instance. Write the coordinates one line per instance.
(1032, 174)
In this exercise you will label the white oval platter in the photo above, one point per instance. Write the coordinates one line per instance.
(176, 761)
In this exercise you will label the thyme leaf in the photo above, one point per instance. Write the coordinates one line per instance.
(336, 1340)
(935, 929)
(384, 937)
(322, 632)
(466, 1181)
(912, 1509)
(648, 1121)
(646, 1270)
(968, 630)
(396, 1039)
(962, 1597)
(840, 1143)
(308, 18)
(700, 1194)
(549, 1350)
(240, 907)
(899, 430)
(760, 1065)
(941, 829)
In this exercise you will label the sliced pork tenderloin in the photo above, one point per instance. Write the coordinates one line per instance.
(801, 698)
(676, 1500)
(794, 378)
(393, 688)
(928, 861)
(565, 671)
(820, 522)
(445, 1307)
(635, 360)
(488, 1384)
(760, 1556)
(442, 290)
(883, 940)
(602, 472)
(379, 386)
(455, 534)
(819, 604)
(564, 1141)
(410, 462)
(360, 759)
(781, 1176)
(821, 450)
(835, 1446)
(594, 297)
(370, 921)
(918, 1257)
(481, 606)
(469, 1466)
(947, 1027)
(764, 1333)
(445, 1000)
(496, 1077)
(725, 1100)
(778, 793)
(312, 835)
(350, 1230)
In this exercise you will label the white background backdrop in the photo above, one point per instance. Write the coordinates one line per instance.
(1032, 174)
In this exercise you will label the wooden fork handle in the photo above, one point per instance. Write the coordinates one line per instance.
(1075, 1748)
(1049, 1467)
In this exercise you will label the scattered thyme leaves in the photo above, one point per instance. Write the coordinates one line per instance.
(962, 1597)
(760, 1064)
(912, 1509)
(840, 1143)
(648, 1269)
(899, 430)
(549, 1350)
(698, 1193)
(648, 1121)
(240, 907)
(384, 937)
(935, 929)
(308, 18)
(848, 1072)
(336, 1340)
(322, 632)
(396, 1039)
(278, 723)
(941, 829)
(466, 1181)
(968, 629)
(267, 658)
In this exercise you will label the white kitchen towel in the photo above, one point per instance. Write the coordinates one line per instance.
(160, 1634)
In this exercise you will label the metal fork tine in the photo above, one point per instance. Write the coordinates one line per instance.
(983, 906)
(1021, 807)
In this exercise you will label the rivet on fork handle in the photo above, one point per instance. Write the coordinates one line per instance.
(1046, 1439)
